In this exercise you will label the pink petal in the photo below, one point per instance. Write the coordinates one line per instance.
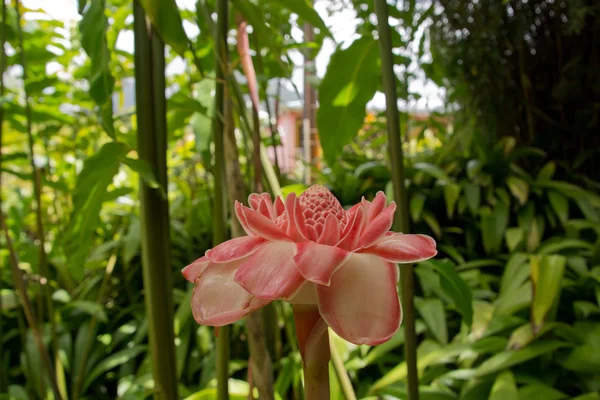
(378, 227)
(195, 269)
(330, 234)
(296, 228)
(242, 218)
(399, 248)
(362, 305)
(234, 249)
(378, 204)
(317, 262)
(350, 240)
(262, 226)
(279, 206)
(262, 203)
(217, 300)
(270, 273)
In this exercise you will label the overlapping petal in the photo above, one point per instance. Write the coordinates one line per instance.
(195, 269)
(317, 262)
(378, 227)
(270, 273)
(261, 225)
(217, 300)
(361, 305)
(234, 249)
(403, 248)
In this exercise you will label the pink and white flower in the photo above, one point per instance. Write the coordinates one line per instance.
(310, 251)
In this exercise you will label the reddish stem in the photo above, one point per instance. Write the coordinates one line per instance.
(313, 341)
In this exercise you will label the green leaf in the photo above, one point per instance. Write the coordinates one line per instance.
(513, 301)
(432, 311)
(432, 170)
(432, 222)
(305, 12)
(473, 196)
(507, 359)
(515, 273)
(587, 396)
(519, 188)
(166, 19)
(546, 275)
(583, 359)
(92, 185)
(493, 226)
(438, 356)
(145, 171)
(547, 171)
(89, 307)
(455, 287)
(451, 195)
(483, 313)
(505, 387)
(114, 360)
(513, 237)
(93, 27)
(572, 191)
(560, 205)
(351, 80)
(417, 203)
(538, 391)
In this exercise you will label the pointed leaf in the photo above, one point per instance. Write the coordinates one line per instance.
(546, 275)
(351, 80)
(455, 287)
(166, 19)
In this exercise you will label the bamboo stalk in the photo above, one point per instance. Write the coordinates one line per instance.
(219, 208)
(154, 207)
(37, 185)
(3, 381)
(401, 221)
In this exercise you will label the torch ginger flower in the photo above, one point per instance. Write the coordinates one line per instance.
(310, 251)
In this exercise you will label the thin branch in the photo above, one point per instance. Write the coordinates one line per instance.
(21, 289)
(401, 222)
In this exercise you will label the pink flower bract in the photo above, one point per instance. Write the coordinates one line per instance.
(310, 251)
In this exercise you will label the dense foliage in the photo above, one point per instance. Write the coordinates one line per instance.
(509, 309)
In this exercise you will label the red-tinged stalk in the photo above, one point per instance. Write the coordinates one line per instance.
(313, 341)
(154, 207)
(401, 218)
(258, 324)
(243, 47)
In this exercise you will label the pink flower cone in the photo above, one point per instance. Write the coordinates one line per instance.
(310, 251)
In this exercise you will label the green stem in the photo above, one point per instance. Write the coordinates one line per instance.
(341, 373)
(3, 381)
(401, 218)
(154, 207)
(219, 207)
(37, 186)
(21, 289)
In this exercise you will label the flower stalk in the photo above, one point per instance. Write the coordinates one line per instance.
(401, 222)
(313, 340)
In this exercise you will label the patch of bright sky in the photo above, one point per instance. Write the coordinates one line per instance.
(342, 25)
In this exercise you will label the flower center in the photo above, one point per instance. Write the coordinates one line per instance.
(317, 203)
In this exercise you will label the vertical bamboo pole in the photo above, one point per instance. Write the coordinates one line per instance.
(154, 207)
(37, 184)
(220, 198)
(3, 381)
(401, 218)
(310, 104)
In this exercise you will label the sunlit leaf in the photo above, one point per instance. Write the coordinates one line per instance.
(339, 120)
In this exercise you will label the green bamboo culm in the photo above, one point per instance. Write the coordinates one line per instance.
(220, 197)
(401, 221)
(3, 364)
(154, 207)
